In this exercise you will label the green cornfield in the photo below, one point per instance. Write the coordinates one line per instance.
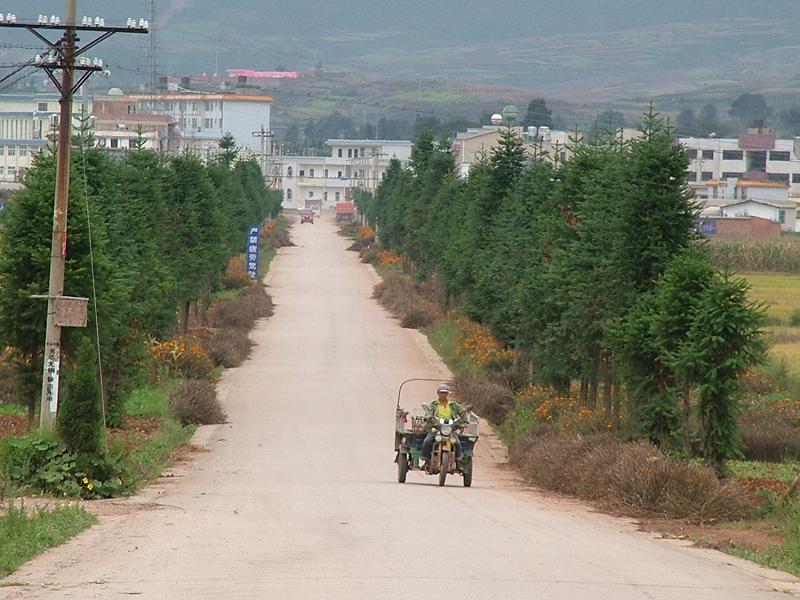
(774, 256)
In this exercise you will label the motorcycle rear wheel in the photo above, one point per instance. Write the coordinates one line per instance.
(444, 468)
(468, 472)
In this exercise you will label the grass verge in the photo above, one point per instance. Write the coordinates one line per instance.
(442, 338)
(24, 534)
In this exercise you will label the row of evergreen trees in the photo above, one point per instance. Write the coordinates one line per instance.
(162, 229)
(590, 268)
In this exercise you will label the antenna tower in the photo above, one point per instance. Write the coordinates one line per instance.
(153, 48)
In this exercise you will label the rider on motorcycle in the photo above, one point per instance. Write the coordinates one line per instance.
(443, 408)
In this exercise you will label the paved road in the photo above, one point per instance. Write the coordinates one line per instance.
(296, 497)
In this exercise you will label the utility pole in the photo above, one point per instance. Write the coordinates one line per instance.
(65, 56)
(266, 151)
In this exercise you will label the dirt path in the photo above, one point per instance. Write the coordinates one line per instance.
(297, 498)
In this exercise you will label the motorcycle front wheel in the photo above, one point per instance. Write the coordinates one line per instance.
(445, 467)
(402, 467)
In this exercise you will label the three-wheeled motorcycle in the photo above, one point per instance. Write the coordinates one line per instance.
(454, 442)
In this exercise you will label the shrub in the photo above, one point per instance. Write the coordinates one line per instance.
(490, 399)
(635, 478)
(229, 347)
(771, 432)
(794, 318)
(181, 357)
(477, 342)
(276, 234)
(370, 255)
(236, 276)
(195, 402)
(80, 419)
(389, 258)
(406, 301)
(240, 313)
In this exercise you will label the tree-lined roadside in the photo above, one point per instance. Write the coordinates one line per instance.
(174, 305)
(581, 312)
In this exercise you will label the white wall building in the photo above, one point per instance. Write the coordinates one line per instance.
(203, 119)
(322, 181)
(752, 156)
(25, 123)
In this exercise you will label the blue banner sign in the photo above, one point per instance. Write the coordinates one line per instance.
(708, 227)
(253, 238)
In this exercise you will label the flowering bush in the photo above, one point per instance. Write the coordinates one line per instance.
(366, 234)
(236, 275)
(181, 357)
(478, 343)
(389, 257)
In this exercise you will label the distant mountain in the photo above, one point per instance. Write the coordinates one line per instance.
(601, 49)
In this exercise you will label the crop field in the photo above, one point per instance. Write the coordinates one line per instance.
(781, 294)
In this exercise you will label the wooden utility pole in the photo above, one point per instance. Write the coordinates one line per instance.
(64, 55)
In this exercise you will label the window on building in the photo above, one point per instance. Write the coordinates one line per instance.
(114, 143)
(780, 155)
(757, 160)
(288, 194)
(707, 176)
(781, 215)
(340, 153)
(732, 155)
(339, 174)
(208, 123)
(42, 107)
(708, 154)
(363, 153)
(2, 170)
(325, 196)
(779, 177)
(326, 173)
(2, 150)
(22, 171)
(101, 142)
(12, 150)
(338, 196)
(194, 122)
(310, 194)
(132, 144)
(692, 152)
(355, 152)
(691, 177)
(289, 172)
(23, 151)
(311, 172)
(732, 174)
(302, 172)
(795, 176)
(12, 171)
(349, 153)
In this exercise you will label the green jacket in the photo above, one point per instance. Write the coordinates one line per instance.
(459, 412)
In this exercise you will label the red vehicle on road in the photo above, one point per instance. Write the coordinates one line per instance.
(306, 216)
(345, 211)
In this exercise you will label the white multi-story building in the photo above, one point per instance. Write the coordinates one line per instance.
(754, 156)
(322, 181)
(25, 122)
(203, 119)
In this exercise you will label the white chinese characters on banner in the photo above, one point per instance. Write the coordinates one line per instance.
(252, 252)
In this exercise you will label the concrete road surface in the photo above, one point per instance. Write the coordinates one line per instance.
(296, 498)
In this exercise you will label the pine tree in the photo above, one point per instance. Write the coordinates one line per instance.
(80, 418)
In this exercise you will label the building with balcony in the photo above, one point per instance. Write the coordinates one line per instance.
(201, 120)
(322, 181)
(755, 156)
(25, 122)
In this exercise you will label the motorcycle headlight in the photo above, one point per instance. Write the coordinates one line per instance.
(438, 437)
(446, 430)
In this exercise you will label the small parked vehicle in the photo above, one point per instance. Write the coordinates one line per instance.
(306, 216)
